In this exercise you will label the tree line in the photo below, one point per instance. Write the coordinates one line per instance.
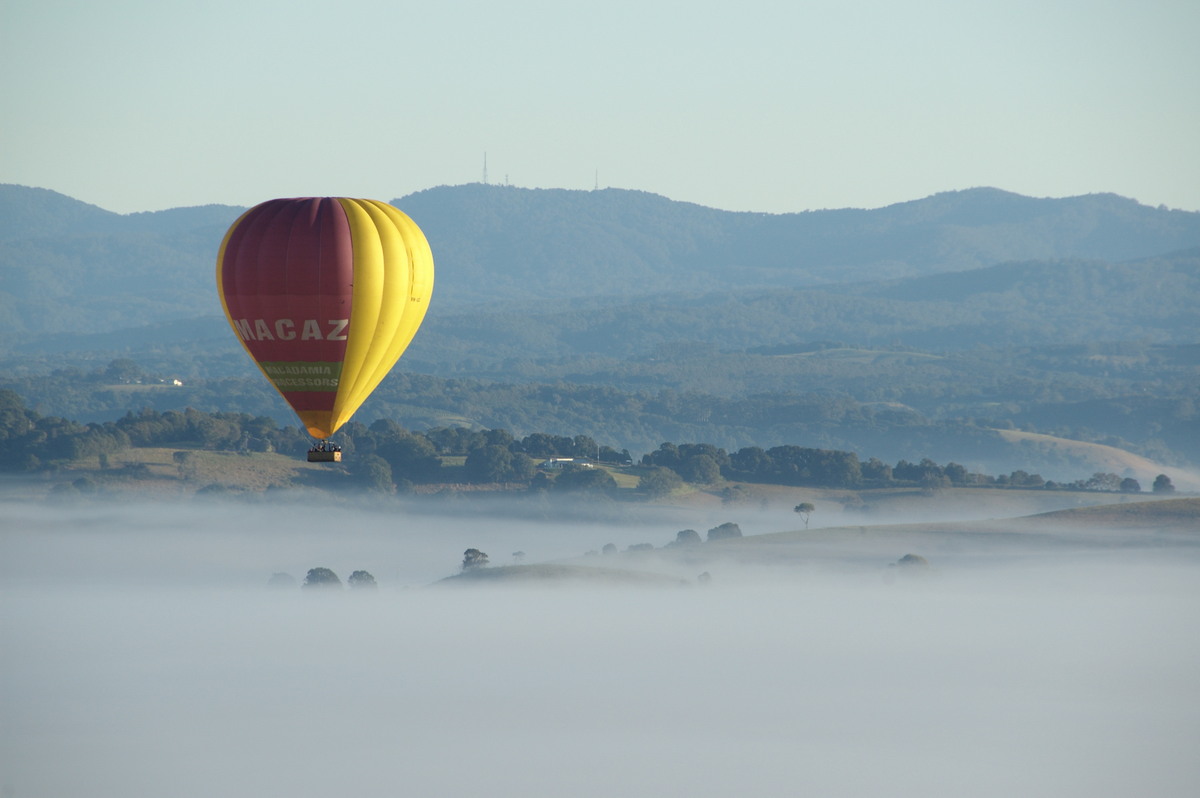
(385, 456)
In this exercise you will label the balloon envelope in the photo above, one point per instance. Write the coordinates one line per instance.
(325, 294)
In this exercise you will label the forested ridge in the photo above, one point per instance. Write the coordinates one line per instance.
(907, 332)
(386, 457)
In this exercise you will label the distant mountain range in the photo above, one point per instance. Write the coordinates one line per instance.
(70, 267)
(902, 332)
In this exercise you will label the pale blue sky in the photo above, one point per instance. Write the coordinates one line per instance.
(782, 106)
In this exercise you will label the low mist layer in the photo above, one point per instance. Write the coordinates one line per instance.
(143, 654)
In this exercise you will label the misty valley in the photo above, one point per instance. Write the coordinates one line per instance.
(143, 643)
(662, 500)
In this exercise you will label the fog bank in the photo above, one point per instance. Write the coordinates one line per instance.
(142, 655)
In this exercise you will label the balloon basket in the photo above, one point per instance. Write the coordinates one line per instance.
(324, 457)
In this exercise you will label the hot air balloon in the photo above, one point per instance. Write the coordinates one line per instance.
(325, 294)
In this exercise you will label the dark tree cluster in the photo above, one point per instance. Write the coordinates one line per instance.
(320, 579)
(796, 465)
(724, 531)
(29, 441)
(698, 463)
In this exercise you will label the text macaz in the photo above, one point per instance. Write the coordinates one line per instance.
(286, 330)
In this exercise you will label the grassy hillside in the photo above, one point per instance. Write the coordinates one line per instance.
(558, 573)
(183, 472)
(1181, 514)
(175, 471)
(1098, 457)
(1121, 533)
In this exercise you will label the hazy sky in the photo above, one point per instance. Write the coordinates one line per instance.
(761, 105)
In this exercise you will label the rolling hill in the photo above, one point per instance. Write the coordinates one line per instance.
(1120, 534)
(66, 266)
(1100, 458)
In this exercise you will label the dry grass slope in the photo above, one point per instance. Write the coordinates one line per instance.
(168, 471)
(557, 573)
(1173, 514)
(1105, 459)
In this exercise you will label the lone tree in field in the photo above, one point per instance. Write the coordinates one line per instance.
(1162, 484)
(805, 510)
(362, 579)
(321, 578)
(474, 558)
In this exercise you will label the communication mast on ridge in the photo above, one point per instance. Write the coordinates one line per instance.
(485, 167)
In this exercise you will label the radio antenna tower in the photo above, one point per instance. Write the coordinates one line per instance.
(485, 167)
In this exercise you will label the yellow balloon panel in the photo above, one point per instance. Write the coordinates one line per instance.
(393, 282)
